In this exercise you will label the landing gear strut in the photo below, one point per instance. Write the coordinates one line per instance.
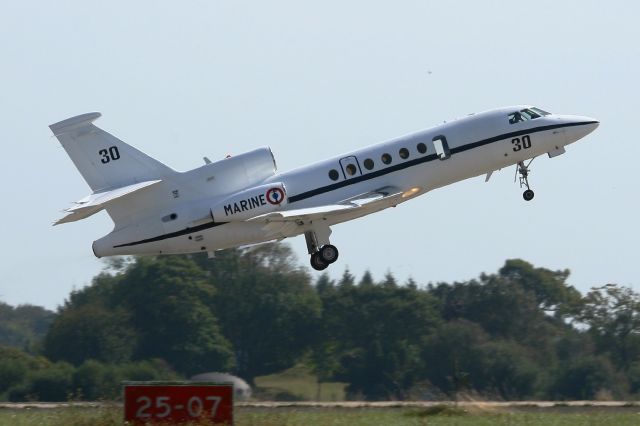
(322, 253)
(523, 171)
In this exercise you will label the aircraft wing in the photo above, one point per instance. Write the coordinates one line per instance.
(97, 201)
(285, 222)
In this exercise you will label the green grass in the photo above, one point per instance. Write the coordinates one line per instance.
(344, 417)
(61, 416)
(297, 383)
(398, 417)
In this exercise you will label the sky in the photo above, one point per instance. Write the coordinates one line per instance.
(183, 80)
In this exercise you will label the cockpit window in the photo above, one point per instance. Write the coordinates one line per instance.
(540, 111)
(526, 115)
(515, 117)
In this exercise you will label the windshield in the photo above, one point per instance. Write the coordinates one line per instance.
(527, 114)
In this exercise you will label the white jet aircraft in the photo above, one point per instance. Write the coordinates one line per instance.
(243, 200)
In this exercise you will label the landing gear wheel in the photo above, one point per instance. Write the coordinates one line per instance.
(317, 263)
(329, 253)
(528, 195)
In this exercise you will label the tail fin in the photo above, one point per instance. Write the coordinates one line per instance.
(103, 160)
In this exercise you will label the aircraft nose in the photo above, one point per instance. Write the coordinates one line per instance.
(590, 124)
(581, 128)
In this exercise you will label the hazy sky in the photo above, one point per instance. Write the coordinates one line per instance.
(184, 79)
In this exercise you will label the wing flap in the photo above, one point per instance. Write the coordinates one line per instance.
(97, 201)
(287, 222)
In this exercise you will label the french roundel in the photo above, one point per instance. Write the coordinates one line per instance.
(275, 196)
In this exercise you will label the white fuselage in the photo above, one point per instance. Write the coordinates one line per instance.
(474, 145)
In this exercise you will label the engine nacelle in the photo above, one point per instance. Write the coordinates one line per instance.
(251, 202)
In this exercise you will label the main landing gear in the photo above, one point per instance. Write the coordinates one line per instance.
(322, 253)
(523, 171)
(321, 259)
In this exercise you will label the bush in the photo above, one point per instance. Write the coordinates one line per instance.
(94, 380)
(12, 372)
(583, 378)
(52, 384)
(145, 371)
(16, 365)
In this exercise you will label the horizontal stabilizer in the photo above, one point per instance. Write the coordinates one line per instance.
(97, 201)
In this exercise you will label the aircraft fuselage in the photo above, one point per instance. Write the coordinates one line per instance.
(205, 219)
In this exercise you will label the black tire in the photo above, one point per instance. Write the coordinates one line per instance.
(317, 263)
(329, 254)
(528, 195)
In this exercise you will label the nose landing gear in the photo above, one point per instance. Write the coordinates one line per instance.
(322, 252)
(523, 171)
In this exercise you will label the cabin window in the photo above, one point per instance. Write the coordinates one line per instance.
(386, 158)
(442, 147)
(333, 174)
(351, 169)
(404, 153)
(368, 164)
(422, 148)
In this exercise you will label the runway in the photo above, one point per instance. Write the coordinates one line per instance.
(357, 404)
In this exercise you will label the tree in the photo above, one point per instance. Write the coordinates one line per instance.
(51, 384)
(90, 332)
(347, 280)
(549, 288)
(503, 309)
(94, 380)
(366, 280)
(389, 280)
(453, 358)
(24, 325)
(169, 300)
(15, 365)
(612, 313)
(267, 307)
(583, 378)
(152, 308)
(376, 333)
(324, 285)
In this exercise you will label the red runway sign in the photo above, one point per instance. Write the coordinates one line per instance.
(172, 402)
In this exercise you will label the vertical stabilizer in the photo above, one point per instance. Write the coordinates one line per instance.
(103, 160)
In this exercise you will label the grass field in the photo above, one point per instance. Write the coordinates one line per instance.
(435, 416)
(298, 384)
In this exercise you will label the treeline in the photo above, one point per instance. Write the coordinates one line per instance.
(521, 333)
(23, 326)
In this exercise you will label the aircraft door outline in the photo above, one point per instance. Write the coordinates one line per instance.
(350, 167)
(441, 147)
